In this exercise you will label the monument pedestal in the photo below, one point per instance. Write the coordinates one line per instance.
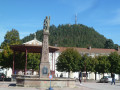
(45, 82)
(45, 70)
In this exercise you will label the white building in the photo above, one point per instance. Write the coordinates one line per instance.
(90, 52)
(6, 71)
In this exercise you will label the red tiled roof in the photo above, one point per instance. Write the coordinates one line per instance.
(92, 50)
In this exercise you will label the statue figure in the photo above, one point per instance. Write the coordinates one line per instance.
(46, 24)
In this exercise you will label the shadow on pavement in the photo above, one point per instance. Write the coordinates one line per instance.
(13, 85)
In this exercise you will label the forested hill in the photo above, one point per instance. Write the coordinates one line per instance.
(73, 36)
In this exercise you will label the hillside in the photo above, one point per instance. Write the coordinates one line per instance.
(71, 36)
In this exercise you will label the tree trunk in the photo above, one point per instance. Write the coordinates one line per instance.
(95, 75)
(68, 74)
(71, 74)
(86, 75)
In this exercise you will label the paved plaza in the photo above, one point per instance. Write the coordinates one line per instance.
(84, 86)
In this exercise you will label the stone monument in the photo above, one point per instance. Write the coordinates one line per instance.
(44, 64)
(43, 81)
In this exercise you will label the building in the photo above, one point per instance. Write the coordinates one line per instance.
(6, 71)
(90, 52)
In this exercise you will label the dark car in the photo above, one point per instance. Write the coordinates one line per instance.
(2, 76)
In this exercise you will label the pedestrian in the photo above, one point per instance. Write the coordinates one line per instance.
(113, 78)
(80, 77)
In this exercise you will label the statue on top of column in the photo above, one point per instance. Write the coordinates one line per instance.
(46, 24)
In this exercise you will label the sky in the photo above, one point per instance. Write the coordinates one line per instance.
(27, 16)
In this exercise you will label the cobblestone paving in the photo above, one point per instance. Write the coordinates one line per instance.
(84, 86)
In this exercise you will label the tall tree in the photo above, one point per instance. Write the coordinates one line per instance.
(114, 59)
(109, 44)
(103, 64)
(11, 38)
(69, 61)
(89, 63)
(33, 61)
(6, 57)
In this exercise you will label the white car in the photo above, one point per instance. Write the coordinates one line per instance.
(106, 79)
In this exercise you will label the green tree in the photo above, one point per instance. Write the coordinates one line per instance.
(109, 44)
(89, 63)
(69, 61)
(103, 64)
(11, 38)
(6, 57)
(114, 59)
(33, 61)
(1, 59)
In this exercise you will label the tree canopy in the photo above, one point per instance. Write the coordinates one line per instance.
(103, 64)
(114, 59)
(6, 57)
(109, 44)
(69, 61)
(11, 38)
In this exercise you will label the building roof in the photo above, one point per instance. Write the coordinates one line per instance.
(92, 50)
(33, 42)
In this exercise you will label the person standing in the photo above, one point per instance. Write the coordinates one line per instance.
(80, 77)
(113, 78)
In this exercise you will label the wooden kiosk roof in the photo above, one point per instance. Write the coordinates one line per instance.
(31, 48)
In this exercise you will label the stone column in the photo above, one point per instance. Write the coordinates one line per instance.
(44, 64)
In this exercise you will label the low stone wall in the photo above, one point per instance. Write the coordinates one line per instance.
(45, 82)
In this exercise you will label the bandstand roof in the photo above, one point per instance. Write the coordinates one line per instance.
(33, 46)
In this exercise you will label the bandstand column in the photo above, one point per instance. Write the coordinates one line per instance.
(13, 62)
(52, 61)
(26, 61)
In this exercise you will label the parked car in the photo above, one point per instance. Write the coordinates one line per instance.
(2, 76)
(106, 79)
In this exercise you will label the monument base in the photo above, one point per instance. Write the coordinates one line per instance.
(45, 82)
(44, 70)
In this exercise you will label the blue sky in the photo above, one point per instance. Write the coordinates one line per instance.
(27, 16)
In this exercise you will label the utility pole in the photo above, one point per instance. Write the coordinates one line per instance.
(76, 18)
